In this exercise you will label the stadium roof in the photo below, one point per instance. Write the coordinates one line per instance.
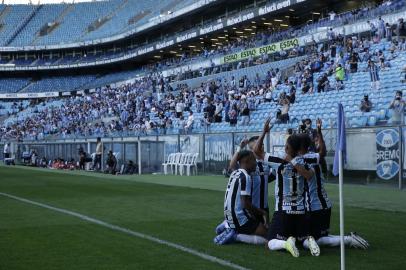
(36, 2)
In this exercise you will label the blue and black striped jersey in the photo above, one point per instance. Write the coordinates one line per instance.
(289, 186)
(316, 195)
(260, 180)
(239, 185)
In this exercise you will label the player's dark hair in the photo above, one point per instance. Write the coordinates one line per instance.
(253, 139)
(243, 154)
(305, 141)
(294, 142)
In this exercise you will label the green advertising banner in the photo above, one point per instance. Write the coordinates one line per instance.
(255, 52)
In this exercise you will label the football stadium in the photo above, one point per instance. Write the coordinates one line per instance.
(202, 134)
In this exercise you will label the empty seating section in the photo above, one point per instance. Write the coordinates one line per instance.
(75, 23)
(47, 14)
(67, 83)
(72, 21)
(112, 78)
(12, 85)
(12, 17)
(121, 21)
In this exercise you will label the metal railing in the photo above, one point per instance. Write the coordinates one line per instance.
(216, 149)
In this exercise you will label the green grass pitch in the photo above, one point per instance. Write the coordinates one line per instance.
(182, 210)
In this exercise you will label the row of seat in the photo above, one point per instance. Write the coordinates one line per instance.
(73, 20)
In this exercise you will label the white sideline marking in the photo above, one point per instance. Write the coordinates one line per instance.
(130, 232)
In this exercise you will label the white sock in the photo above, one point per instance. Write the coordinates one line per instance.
(251, 239)
(225, 223)
(276, 244)
(331, 241)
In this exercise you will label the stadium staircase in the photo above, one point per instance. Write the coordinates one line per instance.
(170, 6)
(2, 119)
(21, 26)
(4, 12)
(58, 21)
(101, 21)
(139, 16)
(26, 87)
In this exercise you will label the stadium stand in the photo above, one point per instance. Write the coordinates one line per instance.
(46, 14)
(284, 90)
(49, 24)
(109, 23)
(323, 106)
(12, 85)
(12, 17)
(67, 83)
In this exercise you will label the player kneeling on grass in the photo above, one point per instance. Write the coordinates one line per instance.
(238, 209)
(318, 205)
(259, 193)
(289, 220)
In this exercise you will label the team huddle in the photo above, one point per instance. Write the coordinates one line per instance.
(302, 207)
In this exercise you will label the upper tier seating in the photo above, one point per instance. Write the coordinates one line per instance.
(68, 23)
(12, 85)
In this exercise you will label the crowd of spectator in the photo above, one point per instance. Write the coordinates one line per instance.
(150, 106)
(274, 34)
(128, 108)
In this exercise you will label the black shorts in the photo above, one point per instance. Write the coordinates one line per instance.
(260, 218)
(285, 225)
(319, 223)
(249, 227)
(275, 228)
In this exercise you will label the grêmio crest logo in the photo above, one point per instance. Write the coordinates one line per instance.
(387, 138)
(387, 153)
(387, 169)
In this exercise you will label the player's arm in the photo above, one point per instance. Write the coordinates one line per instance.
(246, 201)
(322, 144)
(234, 160)
(271, 176)
(306, 173)
(302, 170)
(258, 150)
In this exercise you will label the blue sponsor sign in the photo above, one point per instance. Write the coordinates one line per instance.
(387, 153)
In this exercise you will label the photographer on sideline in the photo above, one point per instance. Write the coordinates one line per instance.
(111, 163)
(306, 127)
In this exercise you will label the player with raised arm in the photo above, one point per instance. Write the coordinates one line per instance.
(260, 179)
(318, 205)
(288, 221)
(238, 209)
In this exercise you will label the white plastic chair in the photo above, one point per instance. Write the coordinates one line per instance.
(188, 159)
(174, 164)
(192, 164)
(168, 162)
(183, 157)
